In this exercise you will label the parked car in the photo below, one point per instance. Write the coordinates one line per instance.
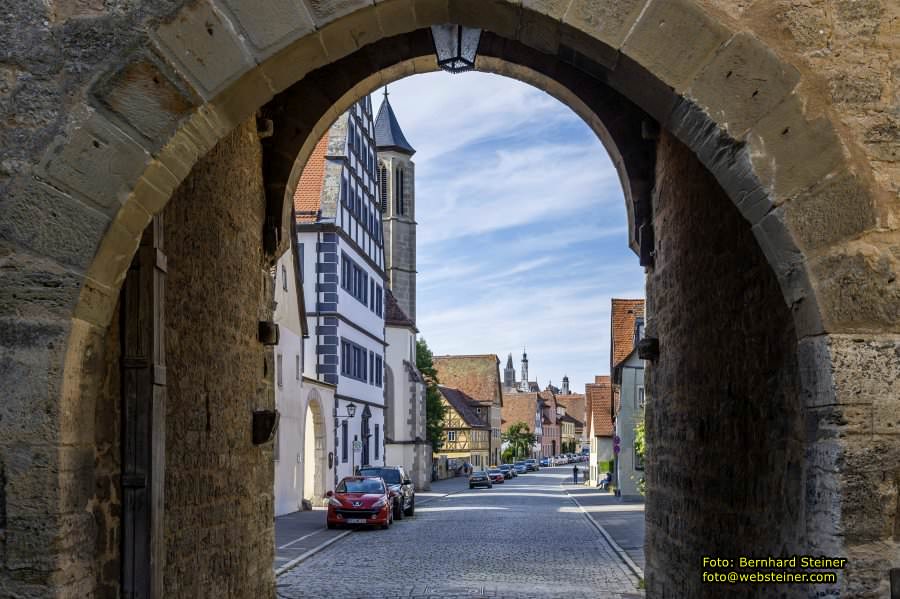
(364, 500)
(497, 476)
(521, 467)
(480, 479)
(532, 464)
(508, 470)
(398, 481)
(545, 462)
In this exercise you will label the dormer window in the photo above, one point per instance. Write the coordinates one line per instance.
(638, 330)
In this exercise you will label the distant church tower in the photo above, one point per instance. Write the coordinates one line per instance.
(396, 192)
(523, 385)
(565, 386)
(509, 374)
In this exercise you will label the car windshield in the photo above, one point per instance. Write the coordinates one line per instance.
(390, 476)
(478, 475)
(368, 485)
(496, 472)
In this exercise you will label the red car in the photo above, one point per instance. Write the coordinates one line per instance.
(362, 500)
(496, 476)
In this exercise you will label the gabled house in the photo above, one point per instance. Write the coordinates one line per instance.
(466, 432)
(524, 407)
(627, 323)
(477, 376)
(600, 426)
(551, 439)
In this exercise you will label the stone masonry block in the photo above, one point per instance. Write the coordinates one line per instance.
(293, 62)
(503, 16)
(344, 36)
(779, 144)
(326, 11)
(674, 39)
(837, 208)
(608, 22)
(146, 99)
(742, 83)
(53, 224)
(98, 162)
(205, 46)
(539, 31)
(431, 12)
(35, 287)
(270, 25)
(858, 289)
(866, 368)
(395, 16)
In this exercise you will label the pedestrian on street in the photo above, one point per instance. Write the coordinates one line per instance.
(575, 473)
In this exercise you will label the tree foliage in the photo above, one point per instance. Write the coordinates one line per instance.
(520, 439)
(434, 407)
(640, 446)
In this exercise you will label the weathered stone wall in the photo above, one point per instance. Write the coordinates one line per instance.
(218, 495)
(107, 503)
(726, 459)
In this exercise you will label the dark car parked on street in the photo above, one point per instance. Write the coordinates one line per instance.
(521, 467)
(480, 478)
(398, 481)
(508, 470)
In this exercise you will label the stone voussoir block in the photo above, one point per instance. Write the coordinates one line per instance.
(542, 31)
(779, 146)
(674, 39)
(146, 98)
(326, 11)
(53, 224)
(271, 25)
(96, 161)
(837, 208)
(431, 12)
(857, 288)
(341, 37)
(742, 83)
(504, 16)
(395, 16)
(204, 45)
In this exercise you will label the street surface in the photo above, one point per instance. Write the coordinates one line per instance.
(523, 539)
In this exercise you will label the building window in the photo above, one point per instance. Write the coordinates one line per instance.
(301, 261)
(639, 398)
(383, 187)
(378, 371)
(284, 278)
(354, 279)
(353, 361)
(451, 436)
(371, 368)
(276, 447)
(379, 300)
(398, 192)
(377, 440)
(344, 441)
(297, 365)
(638, 330)
(278, 371)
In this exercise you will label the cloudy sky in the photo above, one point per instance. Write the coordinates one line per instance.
(522, 229)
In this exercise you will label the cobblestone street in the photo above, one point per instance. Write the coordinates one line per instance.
(524, 539)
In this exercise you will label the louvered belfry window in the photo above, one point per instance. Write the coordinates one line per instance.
(383, 186)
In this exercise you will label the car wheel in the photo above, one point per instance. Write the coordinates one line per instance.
(491, 486)
(471, 486)
(412, 507)
(398, 513)
(331, 526)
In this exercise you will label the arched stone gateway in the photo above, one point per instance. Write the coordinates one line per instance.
(315, 443)
(775, 410)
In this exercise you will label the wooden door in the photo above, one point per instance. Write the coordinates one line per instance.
(143, 418)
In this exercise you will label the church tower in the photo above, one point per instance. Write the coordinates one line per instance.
(524, 386)
(565, 385)
(396, 193)
(509, 374)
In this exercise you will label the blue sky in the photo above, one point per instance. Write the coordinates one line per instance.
(522, 236)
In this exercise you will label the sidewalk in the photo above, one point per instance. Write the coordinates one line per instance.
(302, 534)
(623, 521)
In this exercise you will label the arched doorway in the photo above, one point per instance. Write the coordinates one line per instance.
(783, 169)
(314, 442)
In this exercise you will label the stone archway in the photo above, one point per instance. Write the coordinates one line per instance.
(315, 443)
(817, 200)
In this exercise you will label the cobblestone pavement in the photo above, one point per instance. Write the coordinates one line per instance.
(523, 539)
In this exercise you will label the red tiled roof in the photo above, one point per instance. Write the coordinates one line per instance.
(622, 319)
(393, 313)
(308, 195)
(599, 398)
(574, 404)
(477, 376)
(518, 407)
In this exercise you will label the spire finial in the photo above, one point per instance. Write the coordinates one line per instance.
(385, 92)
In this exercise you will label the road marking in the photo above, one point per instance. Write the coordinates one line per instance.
(310, 553)
(612, 543)
(315, 532)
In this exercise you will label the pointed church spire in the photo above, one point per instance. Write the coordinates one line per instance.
(388, 134)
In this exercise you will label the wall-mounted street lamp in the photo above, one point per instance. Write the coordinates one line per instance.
(351, 412)
(455, 46)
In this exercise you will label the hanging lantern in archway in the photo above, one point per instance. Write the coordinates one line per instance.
(455, 46)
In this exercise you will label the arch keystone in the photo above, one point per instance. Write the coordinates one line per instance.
(269, 25)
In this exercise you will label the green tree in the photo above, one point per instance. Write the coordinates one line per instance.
(434, 407)
(640, 446)
(520, 439)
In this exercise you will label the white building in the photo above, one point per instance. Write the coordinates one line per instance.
(339, 239)
(407, 444)
(301, 442)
